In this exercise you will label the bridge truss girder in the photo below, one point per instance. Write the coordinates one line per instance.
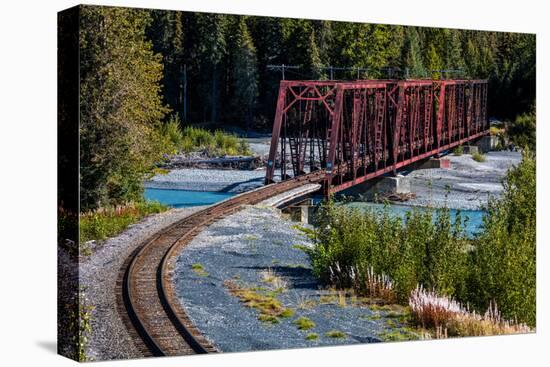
(358, 130)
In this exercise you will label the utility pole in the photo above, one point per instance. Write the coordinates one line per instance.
(282, 68)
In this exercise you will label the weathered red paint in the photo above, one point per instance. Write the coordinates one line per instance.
(358, 130)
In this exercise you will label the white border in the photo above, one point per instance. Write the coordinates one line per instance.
(28, 181)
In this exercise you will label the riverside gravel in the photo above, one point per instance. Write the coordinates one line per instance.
(109, 338)
(239, 248)
(466, 185)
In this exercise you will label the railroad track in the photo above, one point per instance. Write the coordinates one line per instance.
(146, 300)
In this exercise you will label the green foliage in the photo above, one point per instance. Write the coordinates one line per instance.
(215, 144)
(504, 256)
(269, 307)
(304, 323)
(199, 270)
(167, 33)
(312, 336)
(411, 59)
(458, 151)
(399, 334)
(120, 105)
(523, 130)
(105, 222)
(244, 73)
(415, 251)
(80, 325)
(498, 265)
(170, 135)
(478, 157)
(433, 62)
(337, 334)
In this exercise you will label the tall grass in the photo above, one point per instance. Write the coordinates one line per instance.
(192, 139)
(450, 318)
(478, 157)
(108, 221)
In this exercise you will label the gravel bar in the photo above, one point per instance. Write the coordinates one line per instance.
(234, 181)
(239, 248)
(466, 185)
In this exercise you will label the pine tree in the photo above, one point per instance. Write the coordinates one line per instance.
(454, 53)
(267, 35)
(244, 72)
(433, 62)
(210, 48)
(166, 32)
(121, 104)
(411, 55)
(315, 63)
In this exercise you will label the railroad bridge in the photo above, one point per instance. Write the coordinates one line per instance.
(336, 133)
(354, 131)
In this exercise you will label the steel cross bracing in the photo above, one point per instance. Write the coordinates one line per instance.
(358, 130)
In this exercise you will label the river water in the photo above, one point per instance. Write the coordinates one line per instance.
(188, 198)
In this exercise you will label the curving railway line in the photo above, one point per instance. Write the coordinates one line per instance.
(147, 302)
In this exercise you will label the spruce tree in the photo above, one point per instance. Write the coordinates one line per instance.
(244, 72)
(210, 48)
(454, 53)
(166, 32)
(433, 63)
(411, 55)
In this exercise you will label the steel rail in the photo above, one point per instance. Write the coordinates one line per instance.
(157, 323)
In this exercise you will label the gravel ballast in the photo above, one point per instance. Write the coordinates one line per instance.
(109, 338)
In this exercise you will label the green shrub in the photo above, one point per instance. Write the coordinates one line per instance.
(312, 336)
(458, 151)
(349, 243)
(523, 130)
(478, 157)
(503, 262)
(171, 135)
(109, 221)
(498, 265)
(304, 323)
(335, 334)
(215, 144)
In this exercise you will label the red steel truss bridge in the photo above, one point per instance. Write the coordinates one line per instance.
(354, 131)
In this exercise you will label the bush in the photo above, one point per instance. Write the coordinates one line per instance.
(449, 317)
(523, 130)
(171, 135)
(504, 256)
(352, 247)
(459, 150)
(105, 222)
(215, 144)
(478, 157)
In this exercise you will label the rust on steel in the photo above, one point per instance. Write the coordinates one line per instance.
(147, 302)
(358, 130)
